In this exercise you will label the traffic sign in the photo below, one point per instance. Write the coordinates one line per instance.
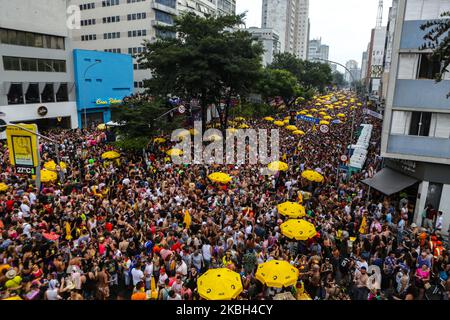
(181, 109)
(324, 128)
(344, 158)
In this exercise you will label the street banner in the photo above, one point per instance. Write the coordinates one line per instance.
(315, 120)
(373, 114)
(23, 148)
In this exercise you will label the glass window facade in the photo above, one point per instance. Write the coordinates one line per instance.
(33, 64)
(31, 39)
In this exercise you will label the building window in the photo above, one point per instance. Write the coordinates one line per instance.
(110, 3)
(136, 16)
(133, 1)
(137, 33)
(32, 95)
(167, 3)
(62, 94)
(420, 124)
(428, 67)
(15, 94)
(48, 95)
(31, 39)
(164, 17)
(11, 63)
(29, 64)
(87, 6)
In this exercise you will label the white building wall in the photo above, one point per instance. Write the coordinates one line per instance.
(46, 17)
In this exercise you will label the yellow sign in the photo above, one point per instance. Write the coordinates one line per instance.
(105, 102)
(100, 101)
(22, 145)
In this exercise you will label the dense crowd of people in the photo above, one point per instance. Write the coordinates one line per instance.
(116, 229)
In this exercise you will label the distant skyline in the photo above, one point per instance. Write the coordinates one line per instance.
(343, 25)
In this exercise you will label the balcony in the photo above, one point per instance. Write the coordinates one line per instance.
(427, 147)
(422, 94)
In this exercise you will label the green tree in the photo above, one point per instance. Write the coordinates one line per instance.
(438, 39)
(137, 116)
(208, 61)
(288, 61)
(316, 75)
(338, 79)
(280, 83)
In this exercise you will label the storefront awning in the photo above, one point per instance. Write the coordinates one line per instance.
(389, 181)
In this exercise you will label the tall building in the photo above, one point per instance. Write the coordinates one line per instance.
(317, 50)
(121, 26)
(416, 129)
(199, 7)
(388, 52)
(354, 72)
(270, 41)
(36, 64)
(375, 60)
(290, 19)
(364, 65)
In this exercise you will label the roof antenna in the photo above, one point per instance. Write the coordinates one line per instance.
(380, 15)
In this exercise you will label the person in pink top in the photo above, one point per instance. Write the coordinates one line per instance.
(422, 279)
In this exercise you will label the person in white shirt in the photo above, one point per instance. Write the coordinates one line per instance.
(137, 274)
(173, 295)
(181, 268)
(148, 272)
(439, 221)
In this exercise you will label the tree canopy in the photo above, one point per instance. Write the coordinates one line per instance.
(280, 83)
(208, 60)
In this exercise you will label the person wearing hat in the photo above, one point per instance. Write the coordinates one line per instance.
(13, 281)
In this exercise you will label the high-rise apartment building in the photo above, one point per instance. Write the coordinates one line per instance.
(416, 128)
(290, 19)
(317, 50)
(121, 26)
(269, 40)
(353, 73)
(36, 64)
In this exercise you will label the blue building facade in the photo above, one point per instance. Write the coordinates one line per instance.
(101, 79)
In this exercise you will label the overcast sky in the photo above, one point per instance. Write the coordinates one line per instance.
(344, 25)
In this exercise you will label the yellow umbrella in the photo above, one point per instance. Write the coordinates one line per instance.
(182, 134)
(299, 133)
(269, 119)
(277, 274)
(313, 110)
(244, 126)
(341, 115)
(278, 166)
(175, 152)
(318, 104)
(220, 177)
(310, 115)
(312, 175)
(110, 155)
(159, 140)
(239, 119)
(324, 122)
(330, 107)
(219, 284)
(3, 187)
(359, 104)
(214, 137)
(287, 118)
(291, 128)
(298, 229)
(286, 121)
(327, 118)
(322, 113)
(48, 176)
(291, 209)
(101, 126)
(303, 112)
(279, 123)
(51, 165)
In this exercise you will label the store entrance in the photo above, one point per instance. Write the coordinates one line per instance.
(91, 119)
